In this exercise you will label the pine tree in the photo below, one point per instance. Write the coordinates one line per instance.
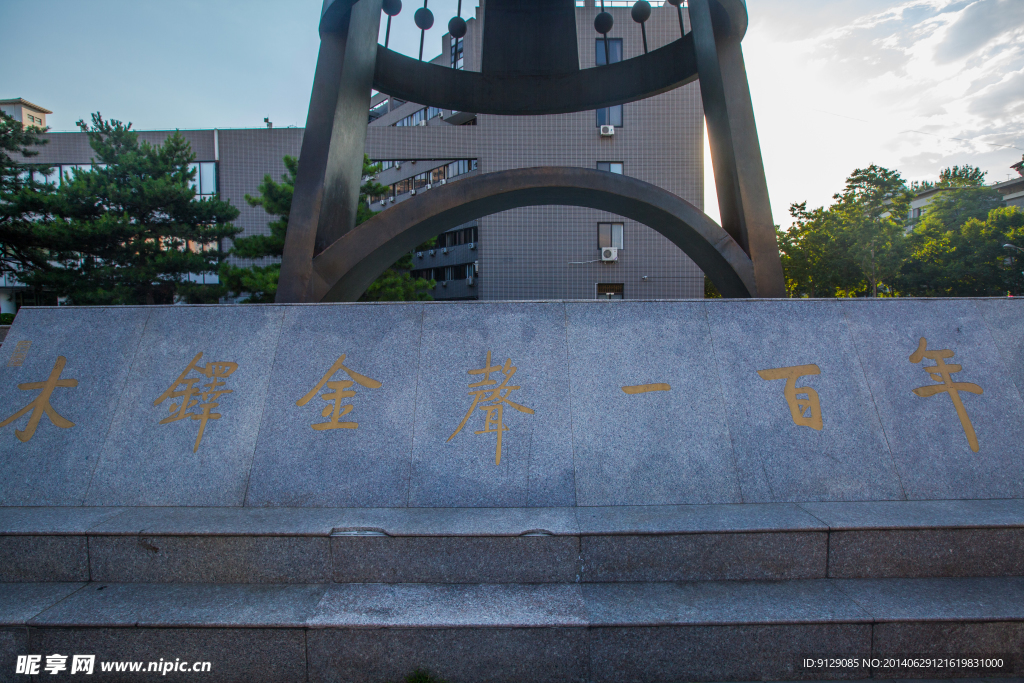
(24, 201)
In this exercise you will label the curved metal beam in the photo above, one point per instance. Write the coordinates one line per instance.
(659, 71)
(344, 270)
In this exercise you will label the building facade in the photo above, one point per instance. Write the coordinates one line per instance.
(548, 252)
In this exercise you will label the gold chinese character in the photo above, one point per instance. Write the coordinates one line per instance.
(644, 388)
(940, 372)
(803, 402)
(341, 390)
(190, 394)
(41, 403)
(490, 401)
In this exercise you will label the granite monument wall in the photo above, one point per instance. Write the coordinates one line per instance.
(491, 404)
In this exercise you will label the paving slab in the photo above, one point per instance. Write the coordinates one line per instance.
(455, 453)
(44, 558)
(55, 463)
(13, 643)
(648, 425)
(919, 514)
(42, 521)
(695, 519)
(939, 599)
(222, 521)
(316, 454)
(831, 448)
(184, 348)
(19, 602)
(930, 437)
(553, 521)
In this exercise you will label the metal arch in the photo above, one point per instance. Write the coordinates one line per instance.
(659, 71)
(344, 270)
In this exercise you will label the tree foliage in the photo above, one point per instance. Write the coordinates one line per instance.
(23, 200)
(259, 282)
(129, 231)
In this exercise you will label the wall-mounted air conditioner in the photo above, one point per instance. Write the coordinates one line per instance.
(445, 250)
(607, 131)
(472, 245)
(444, 181)
(412, 192)
(428, 186)
(432, 252)
(609, 254)
(444, 283)
(392, 200)
(469, 281)
(419, 254)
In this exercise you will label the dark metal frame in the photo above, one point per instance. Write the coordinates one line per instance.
(327, 257)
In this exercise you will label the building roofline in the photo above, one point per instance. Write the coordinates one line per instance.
(21, 100)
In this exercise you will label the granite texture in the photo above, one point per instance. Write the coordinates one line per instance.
(530, 559)
(19, 602)
(1005, 639)
(298, 464)
(925, 552)
(102, 604)
(236, 655)
(210, 559)
(449, 606)
(221, 521)
(1005, 320)
(40, 521)
(13, 642)
(455, 655)
(695, 519)
(941, 599)
(658, 447)
(847, 458)
(459, 521)
(167, 471)
(919, 514)
(925, 435)
(720, 653)
(705, 557)
(44, 558)
(714, 603)
(537, 451)
(55, 465)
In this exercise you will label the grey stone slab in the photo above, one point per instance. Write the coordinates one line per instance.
(1005, 320)
(40, 521)
(144, 462)
(943, 599)
(925, 434)
(720, 653)
(919, 514)
(241, 655)
(54, 466)
(44, 558)
(455, 655)
(300, 462)
(449, 606)
(210, 559)
(458, 559)
(716, 603)
(1002, 640)
(695, 519)
(184, 605)
(912, 553)
(459, 521)
(13, 642)
(847, 458)
(653, 448)
(19, 602)
(705, 557)
(452, 469)
(223, 521)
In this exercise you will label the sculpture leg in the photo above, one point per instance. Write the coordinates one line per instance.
(735, 152)
(331, 158)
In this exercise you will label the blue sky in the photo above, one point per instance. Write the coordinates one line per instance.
(915, 85)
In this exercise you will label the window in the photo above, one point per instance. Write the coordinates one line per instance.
(610, 166)
(433, 112)
(457, 53)
(205, 181)
(413, 119)
(609, 235)
(609, 116)
(609, 290)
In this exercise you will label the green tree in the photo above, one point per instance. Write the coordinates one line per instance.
(24, 201)
(815, 254)
(129, 231)
(260, 282)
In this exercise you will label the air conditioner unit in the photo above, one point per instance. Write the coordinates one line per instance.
(398, 167)
(444, 283)
(609, 254)
(472, 245)
(444, 181)
(422, 123)
(419, 254)
(432, 252)
(412, 192)
(469, 281)
(445, 250)
(392, 200)
(428, 186)
(383, 202)
(607, 131)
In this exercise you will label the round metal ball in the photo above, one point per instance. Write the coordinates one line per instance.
(641, 11)
(424, 19)
(675, 2)
(392, 7)
(603, 22)
(457, 27)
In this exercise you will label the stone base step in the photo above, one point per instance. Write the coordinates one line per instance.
(891, 539)
(600, 632)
